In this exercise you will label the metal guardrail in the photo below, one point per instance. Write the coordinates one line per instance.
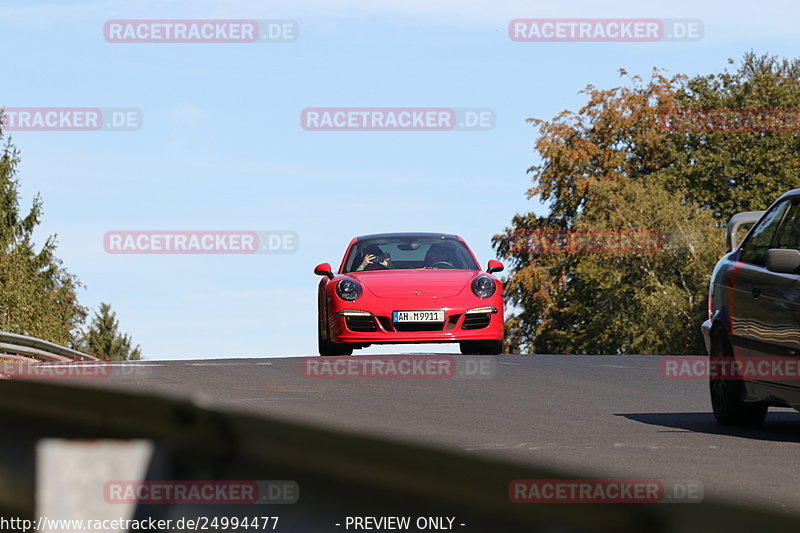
(38, 349)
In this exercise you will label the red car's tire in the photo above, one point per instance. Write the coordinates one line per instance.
(323, 345)
(341, 348)
(481, 347)
(327, 348)
(335, 348)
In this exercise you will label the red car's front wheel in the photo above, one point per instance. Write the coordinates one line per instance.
(326, 347)
(481, 347)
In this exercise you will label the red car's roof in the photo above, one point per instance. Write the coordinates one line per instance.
(395, 235)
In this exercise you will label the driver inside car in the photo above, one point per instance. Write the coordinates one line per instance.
(375, 259)
(439, 254)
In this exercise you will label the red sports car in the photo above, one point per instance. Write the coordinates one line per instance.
(397, 288)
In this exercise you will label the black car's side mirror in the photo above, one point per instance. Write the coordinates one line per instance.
(324, 269)
(494, 266)
(784, 261)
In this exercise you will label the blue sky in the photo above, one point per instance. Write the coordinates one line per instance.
(221, 145)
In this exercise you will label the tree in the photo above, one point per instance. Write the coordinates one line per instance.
(37, 294)
(614, 166)
(104, 340)
(731, 171)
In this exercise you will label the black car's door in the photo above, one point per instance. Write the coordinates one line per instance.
(758, 313)
(780, 300)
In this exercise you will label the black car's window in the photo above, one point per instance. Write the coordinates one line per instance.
(759, 240)
(412, 252)
(789, 232)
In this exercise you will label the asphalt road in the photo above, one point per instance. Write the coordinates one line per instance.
(600, 415)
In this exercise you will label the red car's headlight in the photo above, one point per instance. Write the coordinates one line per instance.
(348, 289)
(483, 286)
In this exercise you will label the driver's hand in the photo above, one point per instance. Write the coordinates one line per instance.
(368, 259)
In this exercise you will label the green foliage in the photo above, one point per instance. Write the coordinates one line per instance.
(614, 165)
(37, 294)
(732, 171)
(104, 340)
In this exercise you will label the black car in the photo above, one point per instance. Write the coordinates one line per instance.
(754, 316)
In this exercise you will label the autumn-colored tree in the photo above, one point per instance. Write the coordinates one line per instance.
(617, 165)
(730, 170)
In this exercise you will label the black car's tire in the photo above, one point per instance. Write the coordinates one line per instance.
(481, 347)
(727, 394)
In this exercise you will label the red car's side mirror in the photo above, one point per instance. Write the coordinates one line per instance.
(494, 266)
(324, 269)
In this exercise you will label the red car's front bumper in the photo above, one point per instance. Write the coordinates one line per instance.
(377, 326)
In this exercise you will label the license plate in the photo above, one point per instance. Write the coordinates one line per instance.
(418, 316)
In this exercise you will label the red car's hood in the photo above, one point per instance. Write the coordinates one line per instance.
(416, 282)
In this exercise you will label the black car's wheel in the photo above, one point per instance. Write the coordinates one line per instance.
(727, 394)
(481, 347)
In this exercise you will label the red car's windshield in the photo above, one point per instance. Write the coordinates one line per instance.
(392, 253)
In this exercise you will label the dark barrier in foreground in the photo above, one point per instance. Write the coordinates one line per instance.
(341, 476)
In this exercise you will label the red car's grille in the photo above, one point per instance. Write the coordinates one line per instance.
(369, 324)
(476, 321)
(420, 326)
(386, 323)
(361, 323)
(451, 322)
